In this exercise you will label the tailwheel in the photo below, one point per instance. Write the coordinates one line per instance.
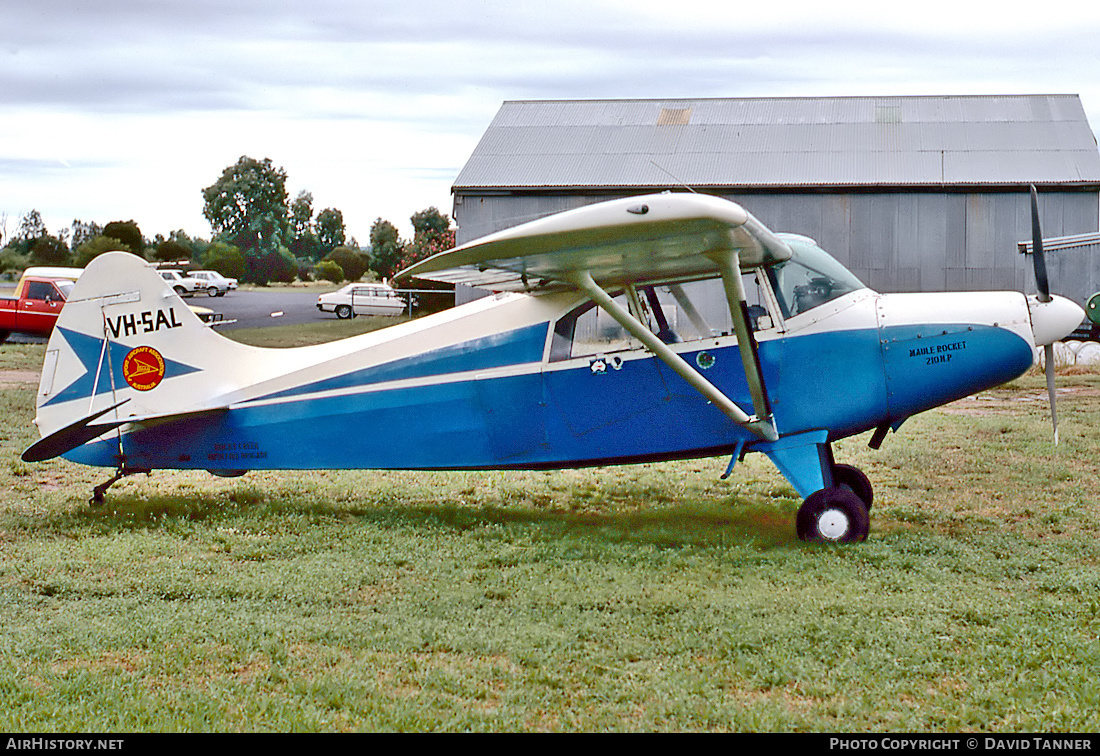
(100, 491)
(855, 481)
(833, 515)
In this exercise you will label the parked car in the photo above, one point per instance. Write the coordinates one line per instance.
(208, 316)
(37, 301)
(362, 299)
(217, 285)
(181, 284)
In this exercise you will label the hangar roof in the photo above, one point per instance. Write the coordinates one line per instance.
(798, 142)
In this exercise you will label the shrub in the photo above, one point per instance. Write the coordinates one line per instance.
(11, 258)
(225, 259)
(353, 262)
(329, 271)
(279, 266)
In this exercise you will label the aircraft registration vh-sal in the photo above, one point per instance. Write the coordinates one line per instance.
(658, 327)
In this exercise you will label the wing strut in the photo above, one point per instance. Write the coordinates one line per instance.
(763, 427)
(730, 265)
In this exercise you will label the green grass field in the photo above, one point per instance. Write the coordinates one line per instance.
(642, 598)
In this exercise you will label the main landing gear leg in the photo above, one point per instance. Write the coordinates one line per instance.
(838, 498)
(123, 471)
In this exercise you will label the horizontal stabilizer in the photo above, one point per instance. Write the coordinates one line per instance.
(83, 431)
(71, 436)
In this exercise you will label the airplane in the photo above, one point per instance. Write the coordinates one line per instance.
(657, 327)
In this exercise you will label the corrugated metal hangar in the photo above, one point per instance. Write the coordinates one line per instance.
(910, 193)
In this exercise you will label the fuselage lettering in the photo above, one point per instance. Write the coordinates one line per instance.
(939, 353)
(148, 321)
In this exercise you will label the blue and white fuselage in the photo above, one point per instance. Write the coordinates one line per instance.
(520, 380)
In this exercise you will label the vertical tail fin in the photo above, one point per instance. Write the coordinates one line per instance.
(127, 347)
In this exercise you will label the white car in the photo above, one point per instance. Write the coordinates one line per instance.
(217, 285)
(362, 299)
(182, 285)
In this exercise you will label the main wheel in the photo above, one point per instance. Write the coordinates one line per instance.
(833, 515)
(854, 480)
(343, 312)
(212, 291)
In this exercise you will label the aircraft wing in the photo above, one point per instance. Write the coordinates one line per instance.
(657, 237)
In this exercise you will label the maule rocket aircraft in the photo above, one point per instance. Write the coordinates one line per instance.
(652, 328)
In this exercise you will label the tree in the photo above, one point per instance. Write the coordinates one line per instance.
(84, 232)
(433, 234)
(303, 243)
(430, 223)
(301, 215)
(31, 227)
(170, 250)
(386, 248)
(225, 259)
(49, 250)
(94, 247)
(128, 233)
(330, 229)
(196, 247)
(247, 206)
(278, 265)
(353, 262)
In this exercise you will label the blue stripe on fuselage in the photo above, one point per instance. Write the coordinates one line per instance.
(516, 347)
(844, 381)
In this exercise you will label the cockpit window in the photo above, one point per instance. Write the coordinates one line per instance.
(698, 310)
(810, 278)
(674, 313)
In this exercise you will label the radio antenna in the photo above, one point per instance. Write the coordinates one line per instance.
(673, 176)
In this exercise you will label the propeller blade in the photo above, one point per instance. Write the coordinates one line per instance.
(1048, 353)
(1037, 256)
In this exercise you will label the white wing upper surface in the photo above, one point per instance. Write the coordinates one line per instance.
(656, 237)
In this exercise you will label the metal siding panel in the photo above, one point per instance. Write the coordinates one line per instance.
(929, 214)
(956, 238)
(863, 244)
(980, 227)
(1075, 273)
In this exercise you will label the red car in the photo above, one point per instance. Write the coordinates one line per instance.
(38, 299)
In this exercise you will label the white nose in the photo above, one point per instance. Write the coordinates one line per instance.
(1053, 320)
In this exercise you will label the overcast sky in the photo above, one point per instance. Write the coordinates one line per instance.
(127, 109)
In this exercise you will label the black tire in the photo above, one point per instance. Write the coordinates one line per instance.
(4, 336)
(180, 290)
(212, 291)
(343, 312)
(855, 481)
(833, 515)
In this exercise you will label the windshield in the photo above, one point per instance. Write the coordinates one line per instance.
(810, 278)
(65, 287)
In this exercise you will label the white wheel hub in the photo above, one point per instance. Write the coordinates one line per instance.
(833, 524)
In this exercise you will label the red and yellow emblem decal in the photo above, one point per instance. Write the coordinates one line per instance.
(143, 368)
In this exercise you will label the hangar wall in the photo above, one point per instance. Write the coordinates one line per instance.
(912, 193)
(893, 241)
